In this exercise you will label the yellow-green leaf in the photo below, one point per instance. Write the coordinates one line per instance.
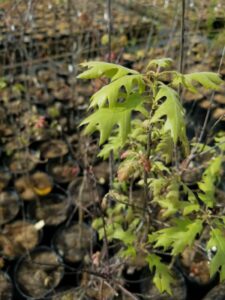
(162, 274)
(172, 109)
(104, 119)
(97, 69)
(177, 237)
(112, 91)
(217, 239)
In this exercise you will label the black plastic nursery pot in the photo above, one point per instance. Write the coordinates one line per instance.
(22, 162)
(63, 172)
(52, 209)
(41, 183)
(34, 185)
(18, 237)
(70, 294)
(194, 265)
(149, 290)
(96, 288)
(9, 206)
(38, 273)
(6, 287)
(24, 188)
(83, 194)
(54, 149)
(16, 143)
(217, 293)
(74, 242)
(5, 177)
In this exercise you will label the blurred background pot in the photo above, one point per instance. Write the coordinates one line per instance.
(63, 172)
(9, 206)
(96, 288)
(70, 294)
(38, 273)
(217, 293)
(37, 184)
(54, 148)
(82, 192)
(6, 287)
(194, 265)
(19, 237)
(22, 162)
(5, 177)
(74, 242)
(52, 209)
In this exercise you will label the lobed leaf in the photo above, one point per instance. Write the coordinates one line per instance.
(192, 204)
(104, 119)
(172, 109)
(157, 184)
(177, 237)
(207, 184)
(162, 275)
(220, 141)
(97, 69)
(161, 62)
(112, 91)
(129, 252)
(126, 236)
(165, 147)
(208, 80)
(217, 239)
(114, 144)
(170, 202)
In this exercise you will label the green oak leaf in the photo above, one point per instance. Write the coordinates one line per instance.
(162, 274)
(192, 204)
(112, 91)
(208, 80)
(172, 109)
(217, 239)
(177, 237)
(161, 62)
(114, 144)
(207, 184)
(165, 147)
(170, 202)
(97, 69)
(220, 141)
(104, 119)
(126, 236)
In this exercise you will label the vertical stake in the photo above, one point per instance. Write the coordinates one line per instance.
(109, 28)
(182, 37)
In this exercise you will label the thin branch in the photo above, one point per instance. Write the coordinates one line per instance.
(182, 38)
(109, 28)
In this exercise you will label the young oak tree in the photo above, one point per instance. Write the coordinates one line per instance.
(140, 116)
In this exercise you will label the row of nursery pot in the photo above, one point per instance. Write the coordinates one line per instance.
(54, 158)
(39, 271)
(37, 275)
(53, 206)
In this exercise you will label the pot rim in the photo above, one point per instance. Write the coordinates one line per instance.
(20, 261)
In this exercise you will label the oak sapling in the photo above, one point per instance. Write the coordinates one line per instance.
(140, 119)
